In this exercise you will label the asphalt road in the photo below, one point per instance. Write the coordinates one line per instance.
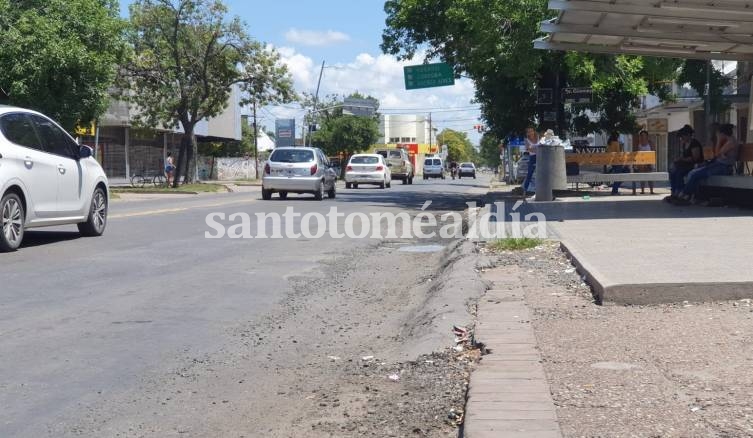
(83, 317)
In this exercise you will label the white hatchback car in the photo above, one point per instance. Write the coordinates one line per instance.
(367, 169)
(46, 178)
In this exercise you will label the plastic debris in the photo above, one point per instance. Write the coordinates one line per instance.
(367, 358)
(394, 377)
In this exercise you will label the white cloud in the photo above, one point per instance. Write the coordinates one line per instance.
(315, 37)
(381, 76)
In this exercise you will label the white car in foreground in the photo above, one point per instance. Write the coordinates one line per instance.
(46, 179)
(367, 169)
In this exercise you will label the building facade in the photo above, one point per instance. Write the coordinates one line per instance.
(125, 150)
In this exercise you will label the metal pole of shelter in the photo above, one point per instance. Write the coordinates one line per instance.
(707, 104)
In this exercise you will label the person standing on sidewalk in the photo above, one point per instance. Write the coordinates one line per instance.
(645, 145)
(615, 145)
(169, 169)
(532, 143)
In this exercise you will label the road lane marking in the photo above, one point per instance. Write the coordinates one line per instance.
(177, 209)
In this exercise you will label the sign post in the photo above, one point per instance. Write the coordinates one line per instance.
(428, 75)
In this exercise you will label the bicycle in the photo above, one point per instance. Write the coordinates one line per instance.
(140, 180)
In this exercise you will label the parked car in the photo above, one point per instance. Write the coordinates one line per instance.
(433, 168)
(467, 169)
(298, 170)
(46, 178)
(399, 163)
(367, 169)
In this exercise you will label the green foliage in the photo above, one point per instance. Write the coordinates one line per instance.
(187, 56)
(339, 132)
(491, 42)
(617, 83)
(515, 243)
(459, 147)
(489, 150)
(269, 81)
(693, 73)
(60, 56)
(346, 133)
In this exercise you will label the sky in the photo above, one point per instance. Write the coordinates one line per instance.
(345, 35)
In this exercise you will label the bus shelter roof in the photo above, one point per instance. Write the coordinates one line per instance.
(691, 29)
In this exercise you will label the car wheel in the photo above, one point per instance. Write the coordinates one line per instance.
(12, 218)
(331, 193)
(348, 185)
(97, 220)
(266, 194)
(474, 176)
(319, 194)
(405, 180)
(389, 184)
(283, 195)
(382, 185)
(410, 180)
(355, 185)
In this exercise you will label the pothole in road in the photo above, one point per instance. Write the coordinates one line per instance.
(421, 248)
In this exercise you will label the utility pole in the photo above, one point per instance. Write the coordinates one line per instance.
(316, 98)
(256, 144)
(430, 131)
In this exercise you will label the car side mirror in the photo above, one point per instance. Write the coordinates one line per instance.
(389, 164)
(84, 152)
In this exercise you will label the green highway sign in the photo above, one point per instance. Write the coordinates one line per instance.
(428, 75)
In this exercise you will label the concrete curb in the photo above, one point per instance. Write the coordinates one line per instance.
(653, 293)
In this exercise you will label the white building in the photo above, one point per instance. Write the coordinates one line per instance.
(406, 128)
(124, 150)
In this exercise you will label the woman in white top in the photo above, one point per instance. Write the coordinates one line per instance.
(532, 143)
(645, 145)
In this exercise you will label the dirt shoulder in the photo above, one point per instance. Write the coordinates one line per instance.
(644, 371)
(350, 351)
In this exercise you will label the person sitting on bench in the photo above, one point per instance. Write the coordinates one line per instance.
(725, 157)
(691, 155)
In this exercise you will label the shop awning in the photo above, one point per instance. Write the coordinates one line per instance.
(692, 29)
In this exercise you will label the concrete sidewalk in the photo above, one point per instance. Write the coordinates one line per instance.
(640, 250)
(508, 395)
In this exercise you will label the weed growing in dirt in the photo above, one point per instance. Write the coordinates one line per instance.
(515, 243)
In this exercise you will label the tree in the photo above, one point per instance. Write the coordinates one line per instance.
(693, 73)
(617, 83)
(344, 133)
(270, 83)
(459, 147)
(489, 41)
(187, 56)
(489, 150)
(60, 56)
(492, 43)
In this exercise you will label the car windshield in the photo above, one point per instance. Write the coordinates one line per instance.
(466, 165)
(395, 154)
(427, 162)
(364, 160)
(292, 156)
(437, 162)
(382, 153)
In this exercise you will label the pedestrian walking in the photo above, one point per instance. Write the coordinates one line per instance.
(169, 169)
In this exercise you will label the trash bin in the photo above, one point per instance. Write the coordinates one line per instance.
(550, 171)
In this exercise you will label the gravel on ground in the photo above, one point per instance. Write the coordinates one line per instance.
(675, 370)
